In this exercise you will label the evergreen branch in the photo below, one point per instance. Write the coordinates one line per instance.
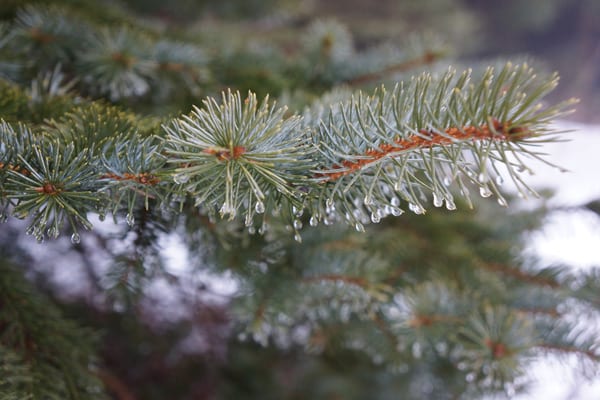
(368, 153)
(55, 357)
(239, 155)
(54, 188)
(591, 354)
(423, 136)
(116, 65)
(521, 275)
(425, 59)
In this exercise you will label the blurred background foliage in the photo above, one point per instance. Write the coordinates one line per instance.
(243, 316)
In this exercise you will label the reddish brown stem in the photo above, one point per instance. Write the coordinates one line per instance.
(426, 139)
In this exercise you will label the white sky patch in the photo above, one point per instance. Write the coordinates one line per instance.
(579, 156)
(567, 237)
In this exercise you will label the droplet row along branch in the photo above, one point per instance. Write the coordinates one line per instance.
(427, 139)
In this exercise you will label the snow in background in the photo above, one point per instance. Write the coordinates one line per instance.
(571, 238)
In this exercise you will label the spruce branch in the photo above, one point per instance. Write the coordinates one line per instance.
(241, 156)
(426, 136)
(117, 64)
(53, 357)
(356, 160)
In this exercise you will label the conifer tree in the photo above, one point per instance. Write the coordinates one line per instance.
(292, 214)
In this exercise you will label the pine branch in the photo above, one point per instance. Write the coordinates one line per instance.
(52, 357)
(242, 157)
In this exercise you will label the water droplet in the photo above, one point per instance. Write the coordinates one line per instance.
(396, 212)
(227, 209)
(482, 178)
(438, 200)
(40, 238)
(329, 206)
(485, 191)
(298, 237)
(499, 180)
(394, 201)
(75, 238)
(416, 208)
(251, 230)
(502, 201)
(297, 224)
(447, 181)
(359, 227)
(52, 232)
(368, 200)
(259, 207)
(375, 218)
(130, 219)
(101, 217)
(470, 377)
(314, 221)
(450, 205)
(181, 178)
(398, 186)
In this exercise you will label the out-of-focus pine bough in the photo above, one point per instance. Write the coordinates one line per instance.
(236, 165)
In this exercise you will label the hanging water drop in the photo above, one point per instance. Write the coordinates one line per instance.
(394, 201)
(130, 219)
(447, 181)
(368, 200)
(52, 232)
(396, 212)
(450, 205)
(298, 237)
(314, 221)
(485, 191)
(416, 208)
(375, 218)
(40, 238)
(251, 230)
(181, 178)
(75, 238)
(502, 201)
(438, 200)
(329, 206)
(259, 207)
(482, 178)
(499, 180)
(359, 227)
(101, 217)
(297, 224)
